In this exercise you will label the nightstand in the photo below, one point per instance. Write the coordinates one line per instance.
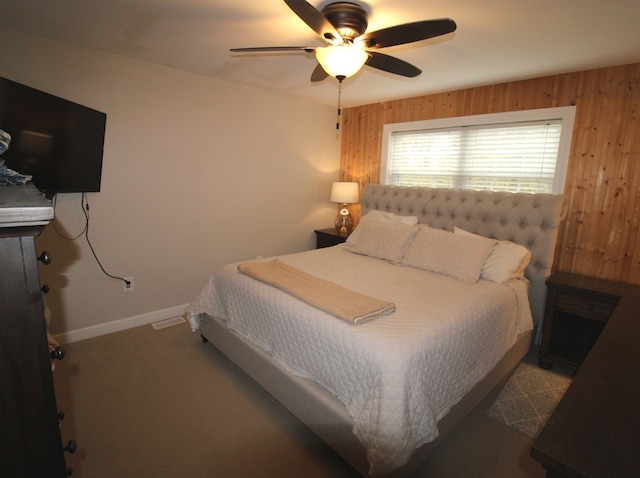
(328, 237)
(577, 310)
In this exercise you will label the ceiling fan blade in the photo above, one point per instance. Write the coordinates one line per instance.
(308, 49)
(392, 65)
(408, 33)
(315, 20)
(318, 74)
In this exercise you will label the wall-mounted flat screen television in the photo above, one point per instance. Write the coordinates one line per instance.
(56, 141)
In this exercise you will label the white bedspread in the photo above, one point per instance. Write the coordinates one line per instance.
(396, 375)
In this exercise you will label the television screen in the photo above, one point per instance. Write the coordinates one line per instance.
(58, 142)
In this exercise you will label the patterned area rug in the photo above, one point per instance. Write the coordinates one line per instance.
(529, 397)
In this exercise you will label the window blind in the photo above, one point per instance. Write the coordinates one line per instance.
(517, 157)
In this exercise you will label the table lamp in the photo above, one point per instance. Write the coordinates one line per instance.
(344, 193)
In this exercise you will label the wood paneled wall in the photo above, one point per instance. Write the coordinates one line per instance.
(600, 234)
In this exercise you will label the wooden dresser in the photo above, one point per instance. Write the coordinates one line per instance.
(595, 430)
(30, 441)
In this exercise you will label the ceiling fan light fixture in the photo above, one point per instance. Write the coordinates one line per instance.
(343, 60)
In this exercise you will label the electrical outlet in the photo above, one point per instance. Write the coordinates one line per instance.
(127, 284)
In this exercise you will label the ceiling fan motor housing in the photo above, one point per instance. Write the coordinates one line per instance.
(349, 19)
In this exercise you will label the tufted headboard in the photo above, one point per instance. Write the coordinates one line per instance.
(528, 219)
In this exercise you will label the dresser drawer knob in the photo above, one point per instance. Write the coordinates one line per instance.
(71, 447)
(45, 258)
(57, 353)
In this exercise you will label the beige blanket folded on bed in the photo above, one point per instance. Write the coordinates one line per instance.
(335, 299)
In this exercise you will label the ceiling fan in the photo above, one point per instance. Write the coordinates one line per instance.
(343, 25)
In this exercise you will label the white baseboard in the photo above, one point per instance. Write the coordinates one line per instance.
(118, 325)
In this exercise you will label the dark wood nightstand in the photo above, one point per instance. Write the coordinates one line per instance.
(578, 308)
(328, 237)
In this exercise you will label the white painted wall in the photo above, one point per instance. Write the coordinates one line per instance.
(197, 173)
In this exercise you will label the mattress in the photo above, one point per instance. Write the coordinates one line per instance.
(397, 375)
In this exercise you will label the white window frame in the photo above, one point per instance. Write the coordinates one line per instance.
(566, 115)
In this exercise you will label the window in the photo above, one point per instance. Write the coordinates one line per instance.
(523, 151)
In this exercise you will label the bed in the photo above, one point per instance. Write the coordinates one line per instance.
(460, 276)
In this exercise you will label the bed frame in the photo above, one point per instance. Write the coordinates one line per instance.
(527, 219)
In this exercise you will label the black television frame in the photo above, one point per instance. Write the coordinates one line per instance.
(58, 142)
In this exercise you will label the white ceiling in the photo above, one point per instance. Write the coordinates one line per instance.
(496, 40)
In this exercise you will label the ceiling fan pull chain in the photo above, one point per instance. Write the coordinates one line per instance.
(340, 78)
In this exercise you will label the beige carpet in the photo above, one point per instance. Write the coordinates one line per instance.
(160, 403)
(529, 397)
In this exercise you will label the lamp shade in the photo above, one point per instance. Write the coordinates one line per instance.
(344, 192)
(343, 60)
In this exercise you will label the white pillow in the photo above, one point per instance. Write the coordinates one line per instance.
(444, 252)
(379, 217)
(384, 241)
(507, 261)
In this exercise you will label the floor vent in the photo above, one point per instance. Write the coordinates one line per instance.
(163, 324)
